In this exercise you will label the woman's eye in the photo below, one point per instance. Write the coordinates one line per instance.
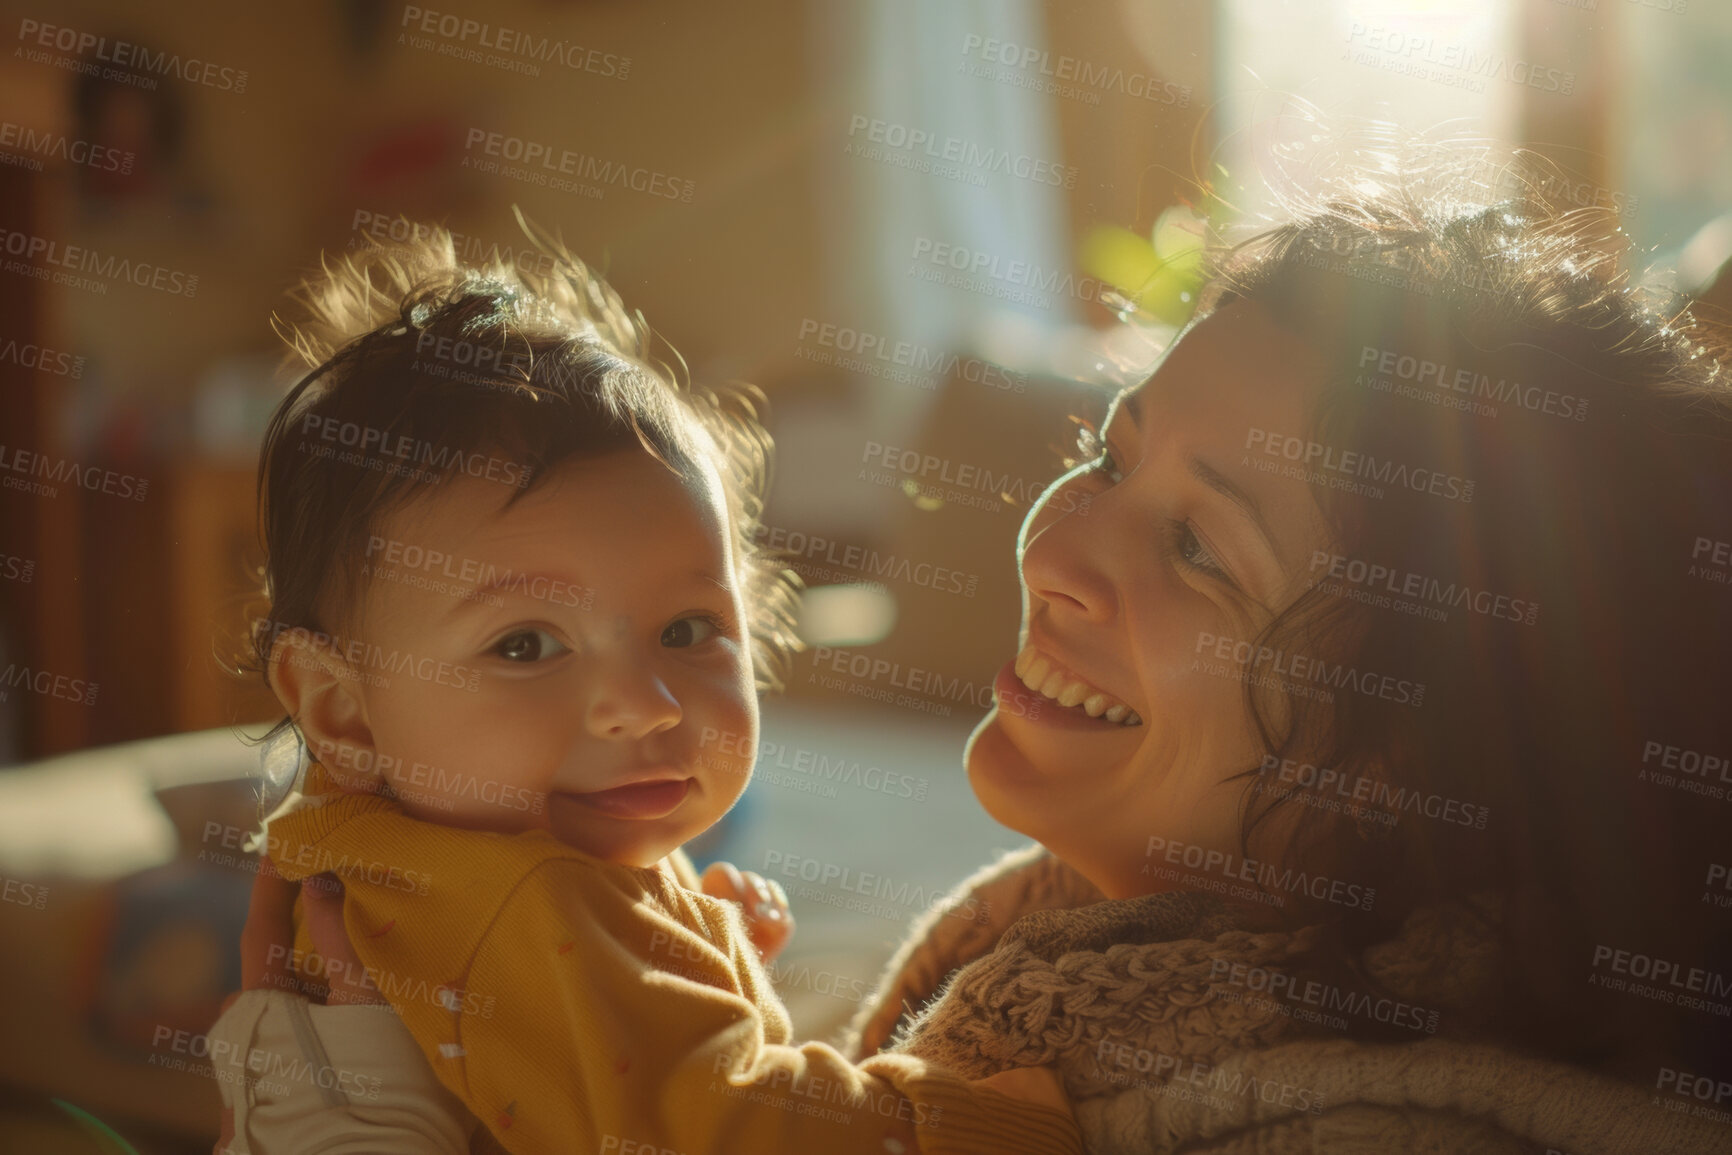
(690, 631)
(1189, 548)
(528, 646)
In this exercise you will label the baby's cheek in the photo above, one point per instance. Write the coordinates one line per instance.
(488, 784)
(728, 749)
(725, 772)
(726, 712)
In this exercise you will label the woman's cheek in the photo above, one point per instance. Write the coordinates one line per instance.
(1209, 609)
(1179, 640)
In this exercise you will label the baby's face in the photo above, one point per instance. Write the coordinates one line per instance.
(575, 695)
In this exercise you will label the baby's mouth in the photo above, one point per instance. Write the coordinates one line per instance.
(640, 800)
(1052, 681)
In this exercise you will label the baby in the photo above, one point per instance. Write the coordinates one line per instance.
(519, 625)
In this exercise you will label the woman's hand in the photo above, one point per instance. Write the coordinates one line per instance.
(268, 943)
(768, 920)
(268, 935)
(347, 981)
(268, 938)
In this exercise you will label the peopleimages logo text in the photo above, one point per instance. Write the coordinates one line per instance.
(79, 259)
(1350, 468)
(1447, 378)
(125, 54)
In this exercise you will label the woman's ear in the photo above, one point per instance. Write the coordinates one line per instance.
(323, 695)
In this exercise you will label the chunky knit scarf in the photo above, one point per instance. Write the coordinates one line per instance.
(1174, 1029)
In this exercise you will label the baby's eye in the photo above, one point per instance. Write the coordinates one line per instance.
(690, 631)
(528, 646)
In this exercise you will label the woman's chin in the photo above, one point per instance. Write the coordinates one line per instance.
(1019, 795)
(1005, 784)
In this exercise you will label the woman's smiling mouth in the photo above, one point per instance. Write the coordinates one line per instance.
(1055, 682)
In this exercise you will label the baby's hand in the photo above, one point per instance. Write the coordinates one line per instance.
(768, 920)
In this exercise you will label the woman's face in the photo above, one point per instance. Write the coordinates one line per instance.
(1184, 549)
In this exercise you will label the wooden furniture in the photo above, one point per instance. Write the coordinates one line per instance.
(213, 546)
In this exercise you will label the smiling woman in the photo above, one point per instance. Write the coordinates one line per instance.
(1120, 599)
(1391, 557)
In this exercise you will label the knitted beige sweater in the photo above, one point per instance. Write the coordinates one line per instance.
(1174, 1030)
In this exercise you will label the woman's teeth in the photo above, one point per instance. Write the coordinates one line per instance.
(1040, 674)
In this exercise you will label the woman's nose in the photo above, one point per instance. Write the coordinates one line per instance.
(629, 703)
(1061, 555)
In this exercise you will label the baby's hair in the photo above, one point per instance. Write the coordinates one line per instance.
(424, 369)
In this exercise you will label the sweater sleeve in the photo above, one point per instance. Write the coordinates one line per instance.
(994, 897)
(617, 1022)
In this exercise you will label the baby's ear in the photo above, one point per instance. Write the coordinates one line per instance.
(322, 693)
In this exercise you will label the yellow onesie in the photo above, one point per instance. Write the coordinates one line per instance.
(574, 1004)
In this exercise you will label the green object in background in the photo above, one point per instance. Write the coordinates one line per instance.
(1171, 295)
(1121, 258)
(108, 1140)
(1160, 274)
(1178, 239)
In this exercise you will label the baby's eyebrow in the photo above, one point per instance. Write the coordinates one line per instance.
(512, 578)
(513, 583)
(525, 581)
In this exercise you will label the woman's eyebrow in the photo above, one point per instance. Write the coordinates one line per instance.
(1131, 403)
(1247, 504)
(705, 577)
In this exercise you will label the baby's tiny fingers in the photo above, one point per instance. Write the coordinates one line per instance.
(723, 880)
(768, 902)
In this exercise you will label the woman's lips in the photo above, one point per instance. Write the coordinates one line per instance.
(641, 800)
(1051, 679)
(1015, 698)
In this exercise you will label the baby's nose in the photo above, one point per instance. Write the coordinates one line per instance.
(630, 704)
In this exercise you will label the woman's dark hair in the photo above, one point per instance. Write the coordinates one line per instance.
(1499, 340)
(425, 369)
